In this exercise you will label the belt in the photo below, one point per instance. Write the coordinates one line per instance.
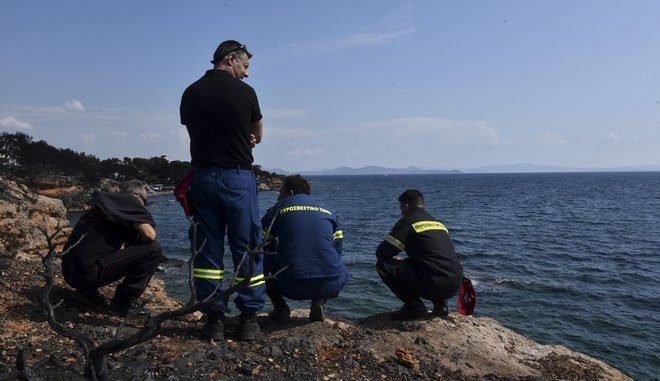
(246, 167)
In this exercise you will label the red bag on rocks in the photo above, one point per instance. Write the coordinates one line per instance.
(467, 298)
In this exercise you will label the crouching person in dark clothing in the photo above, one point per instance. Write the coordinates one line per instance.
(432, 269)
(118, 241)
(308, 241)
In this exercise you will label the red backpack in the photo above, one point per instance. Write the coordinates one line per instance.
(467, 298)
(182, 193)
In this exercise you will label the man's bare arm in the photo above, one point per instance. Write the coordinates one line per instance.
(257, 129)
(146, 231)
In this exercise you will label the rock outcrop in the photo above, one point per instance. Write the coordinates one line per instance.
(76, 196)
(22, 213)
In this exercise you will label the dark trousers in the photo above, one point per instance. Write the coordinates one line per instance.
(409, 285)
(136, 264)
(305, 289)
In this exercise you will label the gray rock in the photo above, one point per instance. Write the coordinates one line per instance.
(22, 213)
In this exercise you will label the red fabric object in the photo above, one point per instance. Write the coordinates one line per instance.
(467, 298)
(182, 193)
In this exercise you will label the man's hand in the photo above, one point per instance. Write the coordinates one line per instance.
(253, 141)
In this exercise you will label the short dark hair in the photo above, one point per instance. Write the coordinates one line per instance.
(412, 197)
(229, 46)
(297, 184)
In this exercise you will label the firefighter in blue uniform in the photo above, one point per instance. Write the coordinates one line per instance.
(308, 241)
(432, 269)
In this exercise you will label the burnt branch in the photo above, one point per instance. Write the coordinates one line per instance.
(85, 343)
(194, 251)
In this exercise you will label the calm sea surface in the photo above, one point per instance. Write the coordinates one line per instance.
(570, 259)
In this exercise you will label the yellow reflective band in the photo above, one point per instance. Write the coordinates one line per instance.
(395, 242)
(339, 234)
(208, 274)
(423, 226)
(303, 208)
(257, 278)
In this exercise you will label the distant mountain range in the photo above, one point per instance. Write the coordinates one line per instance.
(370, 170)
(532, 168)
(512, 168)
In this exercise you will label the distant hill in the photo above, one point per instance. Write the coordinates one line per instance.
(278, 171)
(375, 170)
(532, 168)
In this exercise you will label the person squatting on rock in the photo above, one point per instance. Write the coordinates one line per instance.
(432, 269)
(307, 238)
(119, 242)
(224, 122)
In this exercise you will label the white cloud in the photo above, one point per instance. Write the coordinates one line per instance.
(362, 39)
(338, 43)
(306, 152)
(12, 123)
(441, 131)
(87, 139)
(612, 137)
(74, 105)
(181, 136)
(291, 132)
(150, 136)
(119, 135)
(433, 141)
(285, 113)
(552, 137)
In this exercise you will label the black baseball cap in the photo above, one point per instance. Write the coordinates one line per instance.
(227, 47)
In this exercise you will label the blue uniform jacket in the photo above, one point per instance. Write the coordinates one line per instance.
(309, 239)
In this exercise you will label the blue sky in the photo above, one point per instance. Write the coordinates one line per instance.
(432, 84)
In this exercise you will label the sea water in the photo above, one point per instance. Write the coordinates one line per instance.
(570, 259)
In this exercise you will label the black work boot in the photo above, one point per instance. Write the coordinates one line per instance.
(410, 311)
(119, 307)
(440, 308)
(281, 313)
(248, 329)
(214, 328)
(316, 310)
(91, 298)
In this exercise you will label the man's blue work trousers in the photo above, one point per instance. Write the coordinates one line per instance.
(225, 201)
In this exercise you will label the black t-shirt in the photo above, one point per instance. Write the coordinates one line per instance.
(217, 110)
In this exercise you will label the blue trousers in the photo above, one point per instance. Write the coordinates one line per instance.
(307, 289)
(225, 204)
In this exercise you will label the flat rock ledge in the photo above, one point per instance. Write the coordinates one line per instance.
(374, 348)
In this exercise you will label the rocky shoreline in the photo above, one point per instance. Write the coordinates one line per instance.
(75, 195)
(452, 348)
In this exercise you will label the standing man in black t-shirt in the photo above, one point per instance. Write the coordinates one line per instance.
(224, 122)
(432, 270)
